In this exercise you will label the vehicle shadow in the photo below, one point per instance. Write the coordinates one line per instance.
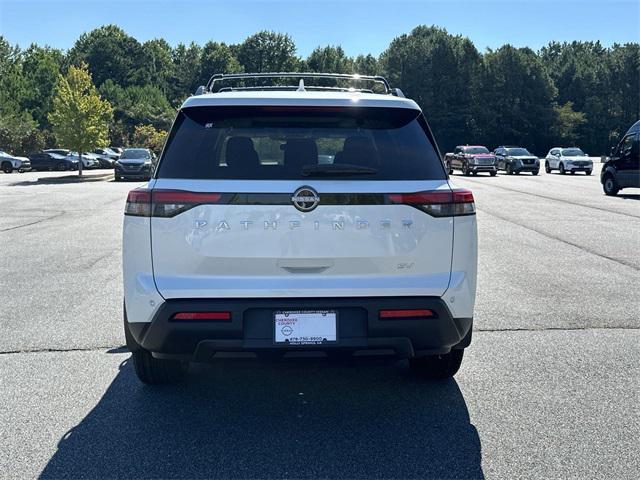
(629, 196)
(247, 419)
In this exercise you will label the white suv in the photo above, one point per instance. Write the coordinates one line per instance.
(565, 160)
(295, 219)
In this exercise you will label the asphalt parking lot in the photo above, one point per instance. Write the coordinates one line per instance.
(549, 387)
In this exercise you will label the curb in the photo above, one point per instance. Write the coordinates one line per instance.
(77, 179)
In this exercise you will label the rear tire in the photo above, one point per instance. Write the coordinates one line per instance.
(493, 174)
(61, 167)
(610, 186)
(437, 367)
(588, 172)
(508, 169)
(465, 170)
(535, 172)
(156, 371)
(562, 170)
(546, 167)
(7, 167)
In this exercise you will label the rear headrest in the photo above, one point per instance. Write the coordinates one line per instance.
(241, 153)
(357, 150)
(300, 151)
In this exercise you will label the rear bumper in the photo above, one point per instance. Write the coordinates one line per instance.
(251, 328)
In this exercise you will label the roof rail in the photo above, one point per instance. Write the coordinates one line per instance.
(221, 77)
(291, 87)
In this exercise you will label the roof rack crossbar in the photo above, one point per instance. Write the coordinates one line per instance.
(294, 87)
(220, 77)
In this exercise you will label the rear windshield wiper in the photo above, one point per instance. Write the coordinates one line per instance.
(333, 169)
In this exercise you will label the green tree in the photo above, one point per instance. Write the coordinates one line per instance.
(158, 64)
(186, 72)
(566, 124)
(217, 58)
(623, 61)
(19, 133)
(366, 65)
(580, 74)
(138, 105)
(41, 68)
(515, 103)
(111, 54)
(329, 59)
(267, 52)
(80, 118)
(439, 71)
(149, 137)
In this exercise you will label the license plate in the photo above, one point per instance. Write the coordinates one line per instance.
(305, 327)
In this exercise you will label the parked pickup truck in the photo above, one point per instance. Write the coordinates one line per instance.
(471, 159)
(9, 163)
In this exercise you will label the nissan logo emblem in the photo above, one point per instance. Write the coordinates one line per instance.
(305, 199)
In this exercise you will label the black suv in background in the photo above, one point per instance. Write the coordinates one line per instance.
(622, 170)
(135, 163)
(513, 159)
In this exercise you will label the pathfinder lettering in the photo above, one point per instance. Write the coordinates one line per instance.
(338, 225)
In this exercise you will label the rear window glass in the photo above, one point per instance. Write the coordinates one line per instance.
(291, 143)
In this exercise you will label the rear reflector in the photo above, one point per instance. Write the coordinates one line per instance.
(438, 203)
(165, 203)
(389, 314)
(202, 316)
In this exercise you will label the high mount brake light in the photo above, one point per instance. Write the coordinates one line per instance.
(438, 203)
(165, 203)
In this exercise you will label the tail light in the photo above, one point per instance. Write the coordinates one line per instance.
(406, 314)
(138, 203)
(437, 203)
(165, 203)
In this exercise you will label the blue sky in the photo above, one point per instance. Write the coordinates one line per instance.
(360, 26)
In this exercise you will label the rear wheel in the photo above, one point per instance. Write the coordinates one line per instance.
(562, 170)
(465, 169)
(493, 174)
(7, 167)
(62, 166)
(546, 167)
(508, 169)
(588, 172)
(535, 172)
(150, 370)
(437, 367)
(610, 186)
(156, 371)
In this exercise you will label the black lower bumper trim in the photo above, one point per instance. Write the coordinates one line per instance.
(251, 328)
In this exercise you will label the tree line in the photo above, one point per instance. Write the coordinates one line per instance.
(577, 93)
